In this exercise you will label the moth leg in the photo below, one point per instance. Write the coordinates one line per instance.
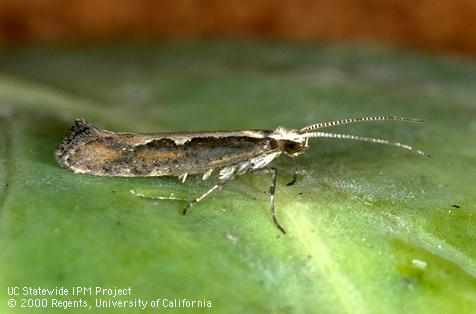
(201, 197)
(272, 190)
(294, 173)
(151, 197)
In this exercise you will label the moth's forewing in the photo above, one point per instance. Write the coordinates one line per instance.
(106, 153)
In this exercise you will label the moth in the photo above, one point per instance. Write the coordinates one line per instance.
(90, 150)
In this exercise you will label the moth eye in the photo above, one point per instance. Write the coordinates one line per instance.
(292, 146)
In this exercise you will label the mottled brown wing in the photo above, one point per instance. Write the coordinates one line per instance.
(104, 153)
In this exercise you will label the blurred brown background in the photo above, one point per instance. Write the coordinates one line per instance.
(441, 25)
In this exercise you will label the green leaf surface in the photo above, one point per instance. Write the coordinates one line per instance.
(371, 228)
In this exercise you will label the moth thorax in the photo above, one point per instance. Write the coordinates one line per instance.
(293, 148)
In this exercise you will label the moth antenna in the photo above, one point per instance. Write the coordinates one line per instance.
(353, 120)
(364, 139)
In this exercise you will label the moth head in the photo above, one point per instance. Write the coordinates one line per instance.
(290, 141)
(310, 131)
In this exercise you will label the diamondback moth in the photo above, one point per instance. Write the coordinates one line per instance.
(89, 150)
